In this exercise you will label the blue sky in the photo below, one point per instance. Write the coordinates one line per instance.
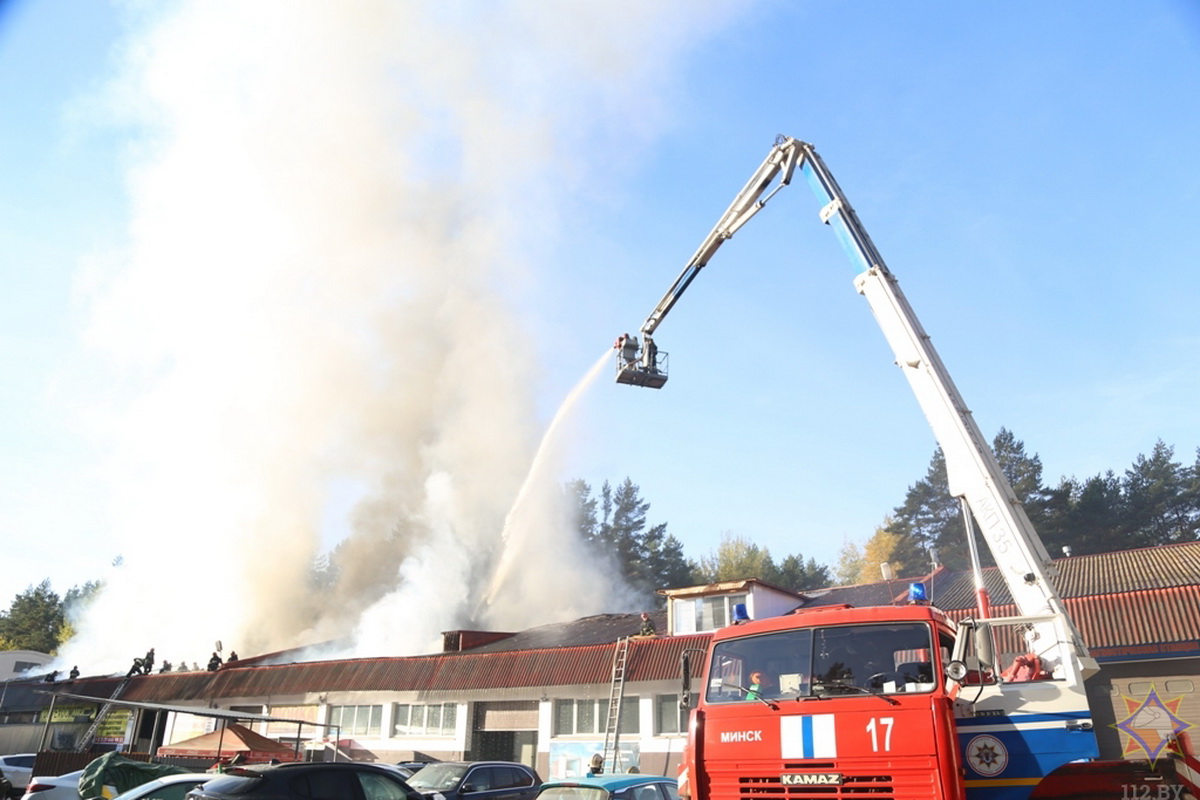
(1028, 171)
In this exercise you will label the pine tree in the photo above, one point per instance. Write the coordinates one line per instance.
(798, 574)
(1097, 516)
(1160, 500)
(649, 559)
(33, 620)
(930, 517)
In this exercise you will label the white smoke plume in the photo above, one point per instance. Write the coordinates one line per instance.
(335, 210)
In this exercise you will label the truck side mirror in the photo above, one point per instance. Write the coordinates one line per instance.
(685, 694)
(983, 645)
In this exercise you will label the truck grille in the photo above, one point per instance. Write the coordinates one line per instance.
(857, 781)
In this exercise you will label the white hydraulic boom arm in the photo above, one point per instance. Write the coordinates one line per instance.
(974, 474)
(640, 366)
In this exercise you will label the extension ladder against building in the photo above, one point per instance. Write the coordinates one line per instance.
(616, 697)
(86, 741)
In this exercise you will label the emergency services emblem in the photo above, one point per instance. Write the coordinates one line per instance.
(987, 755)
(1151, 724)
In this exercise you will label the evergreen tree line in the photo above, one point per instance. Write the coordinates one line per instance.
(613, 525)
(37, 619)
(1155, 501)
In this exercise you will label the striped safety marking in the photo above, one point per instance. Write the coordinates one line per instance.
(809, 736)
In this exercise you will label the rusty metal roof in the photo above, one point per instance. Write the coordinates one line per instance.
(1163, 567)
(649, 659)
(1160, 567)
(1111, 622)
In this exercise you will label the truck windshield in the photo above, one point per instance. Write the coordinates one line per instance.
(889, 658)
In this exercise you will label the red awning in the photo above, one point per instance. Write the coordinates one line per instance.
(233, 740)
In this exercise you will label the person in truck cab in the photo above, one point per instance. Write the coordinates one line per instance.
(761, 686)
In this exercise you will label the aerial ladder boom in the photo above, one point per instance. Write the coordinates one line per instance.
(974, 474)
(642, 364)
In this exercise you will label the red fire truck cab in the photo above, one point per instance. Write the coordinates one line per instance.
(794, 706)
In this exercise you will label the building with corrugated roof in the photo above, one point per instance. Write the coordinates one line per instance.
(542, 696)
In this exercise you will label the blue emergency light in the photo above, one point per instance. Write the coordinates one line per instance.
(917, 594)
(739, 613)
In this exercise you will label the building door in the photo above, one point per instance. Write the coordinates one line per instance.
(505, 730)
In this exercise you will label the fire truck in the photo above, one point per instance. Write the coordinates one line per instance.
(895, 702)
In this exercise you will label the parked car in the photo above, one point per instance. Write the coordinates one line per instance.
(344, 780)
(168, 787)
(62, 787)
(612, 787)
(18, 768)
(409, 767)
(476, 780)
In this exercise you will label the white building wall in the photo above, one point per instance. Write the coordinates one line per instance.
(567, 756)
(655, 754)
(30, 660)
(765, 602)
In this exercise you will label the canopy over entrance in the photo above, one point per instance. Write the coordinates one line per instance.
(232, 740)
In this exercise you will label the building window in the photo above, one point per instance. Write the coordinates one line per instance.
(357, 720)
(710, 613)
(700, 614)
(439, 719)
(578, 717)
(630, 723)
(586, 718)
(669, 718)
(564, 717)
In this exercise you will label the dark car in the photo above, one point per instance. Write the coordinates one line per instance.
(476, 780)
(344, 780)
(612, 787)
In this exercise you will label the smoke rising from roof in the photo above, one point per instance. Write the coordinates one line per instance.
(335, 209)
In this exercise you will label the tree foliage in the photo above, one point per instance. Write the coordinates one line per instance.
(903, 554)
(1156, 501)
(850, 565)
(33, 620)
(737, 558)
(615, 524)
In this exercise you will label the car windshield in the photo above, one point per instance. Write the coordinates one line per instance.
(573, 793)
(437, 777)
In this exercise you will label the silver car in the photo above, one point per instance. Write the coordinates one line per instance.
(168, 787)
